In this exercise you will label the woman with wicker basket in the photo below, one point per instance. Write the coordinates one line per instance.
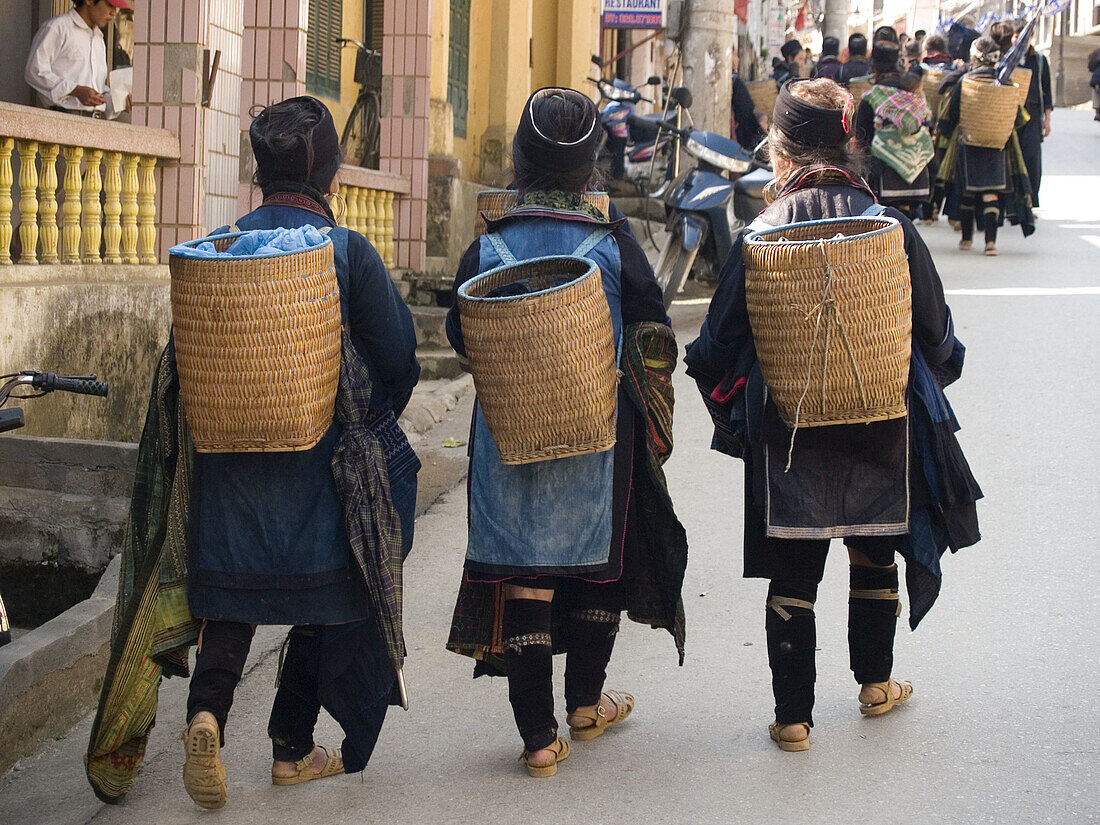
(874, 335)
(982, 172)
(268, 537)
(556, 551)
(892, 129)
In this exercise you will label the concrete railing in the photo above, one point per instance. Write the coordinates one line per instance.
(369, 197)
(99, 176)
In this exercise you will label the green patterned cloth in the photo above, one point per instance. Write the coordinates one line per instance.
(557, 201)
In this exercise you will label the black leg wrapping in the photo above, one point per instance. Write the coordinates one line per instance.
(872, 619)
(592, 634)
(219, 665)
(297, 705)
(792, 640)
(528, 656)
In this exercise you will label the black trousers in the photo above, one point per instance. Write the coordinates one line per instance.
(342, 668)
(1031, 146)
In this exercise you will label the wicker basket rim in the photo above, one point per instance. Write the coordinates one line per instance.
(887, 222)
(589, 266)
(233, 235)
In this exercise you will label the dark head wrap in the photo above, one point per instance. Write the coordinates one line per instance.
(810, 125)
(537, 155)
(884, 57)
(309, 157)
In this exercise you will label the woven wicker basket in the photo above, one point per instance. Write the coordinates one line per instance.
(1022, 78)
(833, 349)
(543, 362)
(859, 86)
(493, 203)
(930, 83)
(257, 348)
(763, 94)
(987, 112)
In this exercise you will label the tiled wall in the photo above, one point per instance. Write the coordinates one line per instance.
(406, 68)
(223, 115)
(167, 91)
(273, 66)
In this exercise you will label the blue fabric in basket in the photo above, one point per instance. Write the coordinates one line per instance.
(257, 244)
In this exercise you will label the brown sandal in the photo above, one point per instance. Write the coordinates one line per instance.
(624, 704)
(887, 704)
(334, 765)
(776, 730)
(203, 771)
(561, 752)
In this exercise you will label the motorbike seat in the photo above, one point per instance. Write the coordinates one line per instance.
(753, 183)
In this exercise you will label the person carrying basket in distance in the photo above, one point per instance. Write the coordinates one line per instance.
(810, 478)
(559, 540)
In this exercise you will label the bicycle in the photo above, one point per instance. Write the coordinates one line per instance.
(360, 140)
(44, 382)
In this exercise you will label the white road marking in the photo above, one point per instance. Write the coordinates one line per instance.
(1092, 239)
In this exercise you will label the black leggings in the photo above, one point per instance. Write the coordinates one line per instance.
(591, 621)
(984, 214)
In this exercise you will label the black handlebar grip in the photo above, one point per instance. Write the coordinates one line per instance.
(81, 386)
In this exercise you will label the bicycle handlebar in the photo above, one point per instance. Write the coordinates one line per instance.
(81, 385)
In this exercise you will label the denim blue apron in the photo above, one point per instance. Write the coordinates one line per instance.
(551, 517)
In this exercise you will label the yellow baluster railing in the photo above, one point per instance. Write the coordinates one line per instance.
(129, 209)
(47, 202)
(387, 232)
(91, 228)
(70, 223)
(112, 207)
(28, 201)
(147, 210)
(6, 180)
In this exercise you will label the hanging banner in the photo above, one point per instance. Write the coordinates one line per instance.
(632, 14)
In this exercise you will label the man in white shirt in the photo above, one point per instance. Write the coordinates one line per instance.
(67, 66)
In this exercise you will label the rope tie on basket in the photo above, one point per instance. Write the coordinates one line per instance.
(825, 310)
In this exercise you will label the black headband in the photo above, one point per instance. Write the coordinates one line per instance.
(296, 163)
(805, 123)
(532, 148)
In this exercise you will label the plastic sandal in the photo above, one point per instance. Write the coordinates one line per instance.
(334, 765)
(561, 752)
(991, 249)
(624, 704)
(878, 708)
(966, 245)
(775, 731)
(203, 771)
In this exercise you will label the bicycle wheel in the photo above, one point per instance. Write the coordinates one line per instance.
(369, 146)
(351, 140)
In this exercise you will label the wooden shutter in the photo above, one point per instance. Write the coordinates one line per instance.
(326, 26)
(458, 64)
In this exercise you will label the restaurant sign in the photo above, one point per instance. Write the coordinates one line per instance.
(632, 14)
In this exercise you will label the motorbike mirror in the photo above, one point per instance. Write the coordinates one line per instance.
(596, 59)
(682, 96)
(653, 81)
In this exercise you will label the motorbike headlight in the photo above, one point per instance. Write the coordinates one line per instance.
(717, 159)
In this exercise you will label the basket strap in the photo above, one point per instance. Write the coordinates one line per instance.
(506, 256)
(589, 243)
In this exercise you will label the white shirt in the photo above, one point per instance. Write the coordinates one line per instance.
(67, 53)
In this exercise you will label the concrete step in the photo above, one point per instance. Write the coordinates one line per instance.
(67, 529)
(68, 465)
(438, 363)
(430, 323)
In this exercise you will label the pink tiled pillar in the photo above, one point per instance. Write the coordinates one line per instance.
(406, 68)
(273, 67)
(168, 45)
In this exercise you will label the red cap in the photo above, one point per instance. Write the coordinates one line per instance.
(121, 4)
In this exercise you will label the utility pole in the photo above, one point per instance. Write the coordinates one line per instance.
(707, 48)
(836, 20)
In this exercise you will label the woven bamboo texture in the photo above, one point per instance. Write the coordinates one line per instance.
(763, 94)
(493, 203)
(859, 86)
(987, 112)
(543, 363)
(830, 305)
(1022, 78)
(257, 348)
(930, 83)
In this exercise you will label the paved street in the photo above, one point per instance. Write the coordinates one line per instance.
(1003, 725)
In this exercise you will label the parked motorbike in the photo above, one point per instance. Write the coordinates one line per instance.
(13, 419)
(630, 140)
(703, 212)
